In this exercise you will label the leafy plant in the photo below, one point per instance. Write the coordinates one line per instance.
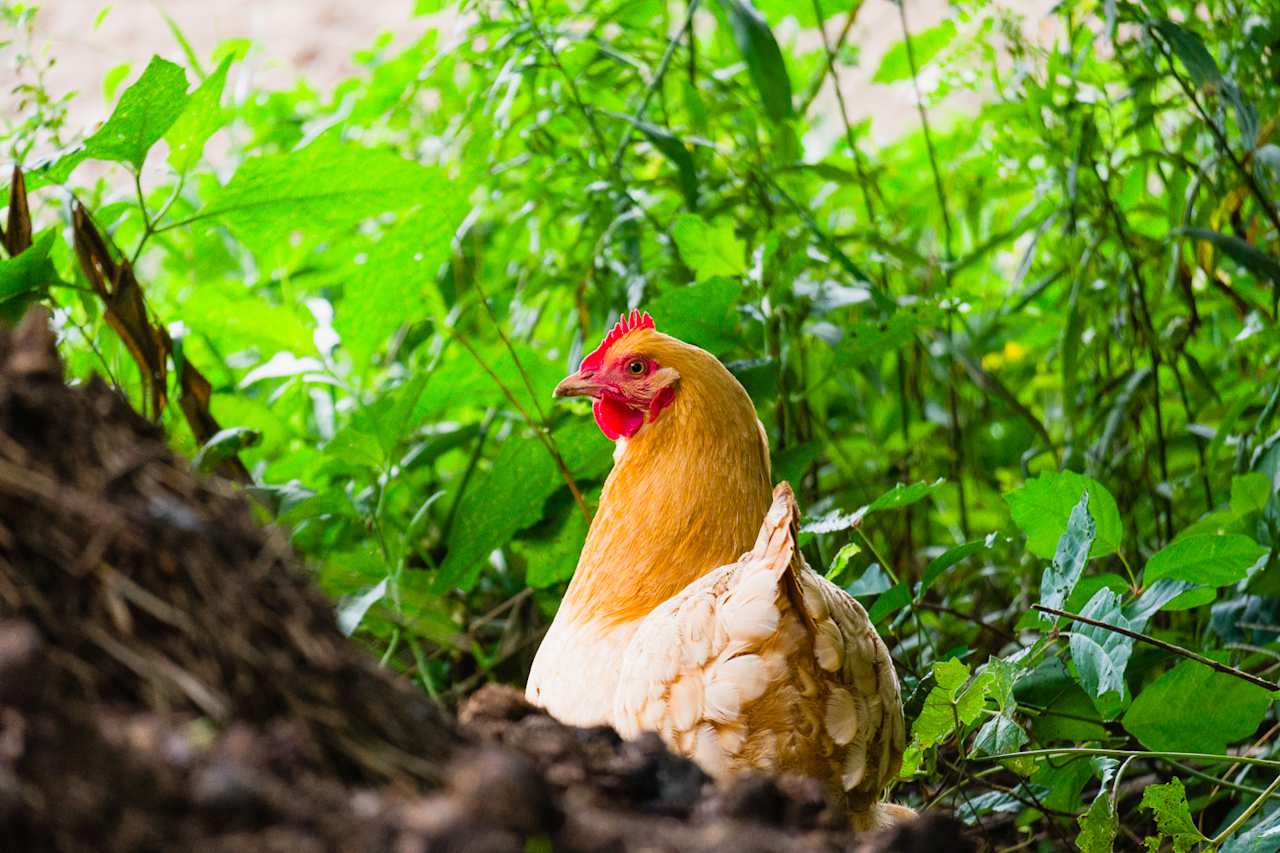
(1021, 363)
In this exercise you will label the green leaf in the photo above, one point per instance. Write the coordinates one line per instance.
(950, 557)
(709, 249)
(1041, 507)
(202, 118)
(925, 45)
(1098, 826)
(678, 153)
(1100, 655)
(701, 314)
(1069, 559)
(1255, 260)
(507, 499)
(874, 580)
(903, 495)
(1250, 492)
(551, 560)
(841, 560)
(351, 612)
(763, 57)
(26, 275)
(866, 341)
(223, 445)
(146, 110)
(1261, 836)
(949, 702)
(890, 601)
(322, 190)
(1206, 558)
(1191, 50)
(1164, 717)
(391, 279)
(1172, 814)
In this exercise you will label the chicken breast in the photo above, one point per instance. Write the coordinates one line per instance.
(763, 663)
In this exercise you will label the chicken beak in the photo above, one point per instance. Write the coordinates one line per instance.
(580, 384)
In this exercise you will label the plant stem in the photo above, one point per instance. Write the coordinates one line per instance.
(1247, 813)
(1168, 647)
(1130, 753)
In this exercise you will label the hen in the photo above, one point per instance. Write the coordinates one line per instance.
(739, 655)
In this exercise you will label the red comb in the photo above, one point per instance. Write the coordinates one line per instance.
(626, 323)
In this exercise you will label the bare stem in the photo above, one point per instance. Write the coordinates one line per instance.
(1168, 647)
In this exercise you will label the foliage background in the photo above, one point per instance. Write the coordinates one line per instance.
(951, 339)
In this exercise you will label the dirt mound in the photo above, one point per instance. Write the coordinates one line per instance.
(169, 678)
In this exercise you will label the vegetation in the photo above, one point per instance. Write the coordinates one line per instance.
(1022, 364)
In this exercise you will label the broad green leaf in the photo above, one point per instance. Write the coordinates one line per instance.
(867, 341)
(890, 601)
(25, 276)
(710, 249)
(507, 499)
(1173, 816)
(146, 110)
(903, 495)
(1041, 507)
(1205, 559)
(1250, 492)
(874, 580)
(1154, 598)
(999, 734)
(1188, 47)
(1098, 826)
(950, 557)
(678, 153)
(1100, 655)
(1162, 717)
(763, 57)
(551, 559)
(948, 702)
(701, 314)
(391, 280)
(322, 190)
(1069, 559)
(925, 45)
(202, 118)
(1253, 259)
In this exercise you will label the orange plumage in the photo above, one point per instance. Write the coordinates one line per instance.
(738, 654)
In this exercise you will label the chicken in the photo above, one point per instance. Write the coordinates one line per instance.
(740, 656)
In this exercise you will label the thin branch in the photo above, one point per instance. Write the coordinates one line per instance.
(1250, 181)
(1168, 647)
(540, 428)
(1249, 812)
(1129, 753)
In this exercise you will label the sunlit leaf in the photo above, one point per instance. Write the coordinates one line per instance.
(1205, 559)
(1168, 802)
(710, 249)
(1042, 506)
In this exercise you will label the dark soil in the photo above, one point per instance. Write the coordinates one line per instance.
(169, 679)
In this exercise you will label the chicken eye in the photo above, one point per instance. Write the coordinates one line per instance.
(635, 368)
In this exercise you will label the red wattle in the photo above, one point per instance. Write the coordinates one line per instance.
(616, 419)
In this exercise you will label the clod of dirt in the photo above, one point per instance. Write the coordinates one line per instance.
(169, 679)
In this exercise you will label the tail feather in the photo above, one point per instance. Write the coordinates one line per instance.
(777, 539)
